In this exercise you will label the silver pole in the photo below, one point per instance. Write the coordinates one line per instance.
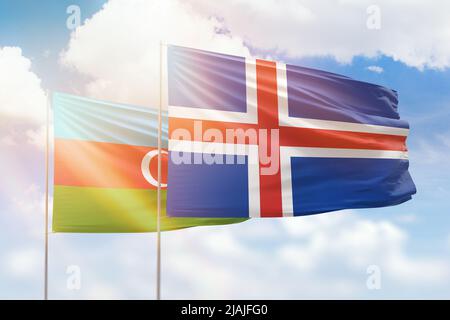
(47, 135)
(158, 218)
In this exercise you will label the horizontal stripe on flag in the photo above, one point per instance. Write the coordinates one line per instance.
(243, 149)
(341, 126)
(100, 164)
(93, 120)
(300, 137)
(343, 153)
(109, 210)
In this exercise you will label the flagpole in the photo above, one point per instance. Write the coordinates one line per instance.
(158, 218)
(47, 135)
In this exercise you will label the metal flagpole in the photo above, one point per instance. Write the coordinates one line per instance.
(158, 218)
(47, 135)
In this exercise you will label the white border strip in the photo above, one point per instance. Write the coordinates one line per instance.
(283, 111)
(254, 197)
(209, 147)
(340, 126)
(342, 153)
(287, 202)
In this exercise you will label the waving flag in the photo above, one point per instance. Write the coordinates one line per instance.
(256, 138)
(105, 165)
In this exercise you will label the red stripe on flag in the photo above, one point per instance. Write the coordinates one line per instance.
(300, 137)
(270, 185)
(304, 137)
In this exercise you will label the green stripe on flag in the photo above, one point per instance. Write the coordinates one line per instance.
(116, 210)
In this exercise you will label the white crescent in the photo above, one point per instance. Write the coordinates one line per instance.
(145, 168)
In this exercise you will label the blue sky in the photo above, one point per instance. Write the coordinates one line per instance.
(39, 27)
(416, 233)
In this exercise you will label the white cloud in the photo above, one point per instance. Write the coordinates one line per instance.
(338, 28)
(28, 206)
(37, 136)
(376, 69)
(22, 117)
(8, 140)
(119, 47)
(22, 100)
(21, 95)
(103, 292)
(357, 242)
(323, 256)
(23, 263)
(406, 218)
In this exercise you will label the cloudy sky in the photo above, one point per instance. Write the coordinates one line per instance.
(113, 55)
